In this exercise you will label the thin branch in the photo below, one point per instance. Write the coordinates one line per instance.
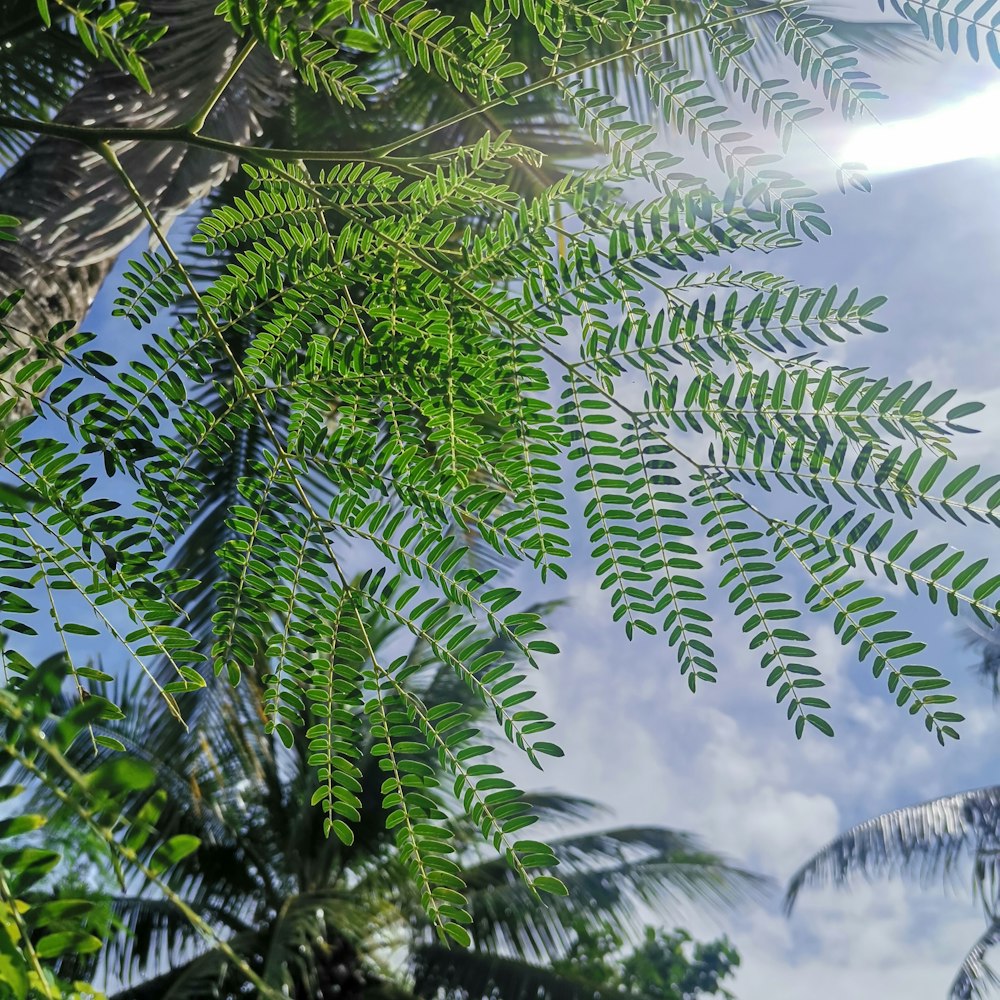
(197, 120)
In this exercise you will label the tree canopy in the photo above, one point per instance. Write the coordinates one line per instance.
(505, 333)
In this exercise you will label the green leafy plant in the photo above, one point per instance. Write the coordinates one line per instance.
(599, 964)
(664, 965)
(47, 936)
(430, 363)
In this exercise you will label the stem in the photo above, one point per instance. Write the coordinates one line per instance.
(95, 135)
(197, 121)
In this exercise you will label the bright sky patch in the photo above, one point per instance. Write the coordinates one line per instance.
(964, 130)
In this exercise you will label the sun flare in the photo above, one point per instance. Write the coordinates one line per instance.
(960, 131)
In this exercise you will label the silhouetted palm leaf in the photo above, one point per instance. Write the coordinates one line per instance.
(976, 979)
(924, 841)
(611, 874)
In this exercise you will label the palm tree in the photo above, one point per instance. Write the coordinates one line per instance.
(925, 842)
(323, 918)
(76, 217)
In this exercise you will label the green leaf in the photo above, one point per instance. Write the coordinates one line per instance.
(110, 743)
(176, 849)
(458, 934)
(964, 410)
(344, 833)
(18, 498)
(14, 826)
(120, 776)
(8, 222)
(550, 884)
(67, 942)
(13, 967)
(357, 39)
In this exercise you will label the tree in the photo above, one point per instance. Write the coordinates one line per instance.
(417, 381)
(926, 841)
(319, 917)
(663, 966)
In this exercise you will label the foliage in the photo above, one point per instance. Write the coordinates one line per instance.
(432, 363)
(665, 965)
(313, 916)
(660, 967)
(48, 934)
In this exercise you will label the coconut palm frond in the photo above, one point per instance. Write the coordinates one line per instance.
(976, 980)
(302, 908)
(194, 979)
(923, 841)
(614, 877)
(40, 69)
(558, 810)
(986, 642)
(154, 934)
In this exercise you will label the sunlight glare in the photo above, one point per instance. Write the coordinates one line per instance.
(964, 130)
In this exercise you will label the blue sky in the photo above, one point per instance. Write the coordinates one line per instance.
(724, 763)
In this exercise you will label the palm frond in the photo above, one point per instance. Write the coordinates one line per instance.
(922, 841)
(40, 69)
(154, 934)
(976, 980)
(613, 877)
(195, 979)
(986, 642)
(562, 810)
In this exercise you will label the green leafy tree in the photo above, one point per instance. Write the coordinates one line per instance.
(331, 917)
(661, 968)
(665, 965)
(153, 67)
(428, 363)
(924, 842)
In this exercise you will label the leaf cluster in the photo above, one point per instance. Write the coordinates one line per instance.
(391, 351)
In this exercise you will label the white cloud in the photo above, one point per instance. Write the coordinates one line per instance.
(883, 941)
(638, 740)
